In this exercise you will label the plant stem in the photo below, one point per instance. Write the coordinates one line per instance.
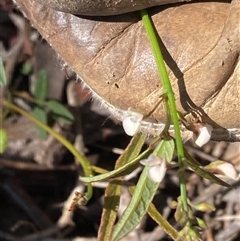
(167, 89)
(82, 160)
(26, 96)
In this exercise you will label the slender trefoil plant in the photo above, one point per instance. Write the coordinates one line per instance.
(155, 161)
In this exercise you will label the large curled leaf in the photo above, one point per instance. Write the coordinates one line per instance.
(113, 190)
(40, 114)
(59, 110)
(3, 78)
(41, 86)
(135, 78)
(3, 140)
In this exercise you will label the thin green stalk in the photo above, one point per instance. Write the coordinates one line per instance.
(99, 170)
(28, 98)
(82, 160)
(167, 89)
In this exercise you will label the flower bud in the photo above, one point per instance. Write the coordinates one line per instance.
(157, 167)
(173, 204)
(202, 135)
(201, 223)
(181, 216)
(204, 207)
(194, 234)
(223, 168)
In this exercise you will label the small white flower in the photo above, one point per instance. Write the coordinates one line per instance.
(158, 167)
(223, 168)
(228, 170)
(132, 122)
(203, 135)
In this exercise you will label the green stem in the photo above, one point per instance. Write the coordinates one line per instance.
(167, 89)
(29, 98)
(82, 160)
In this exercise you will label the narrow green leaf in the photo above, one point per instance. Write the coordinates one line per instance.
(40, 114)
(192, 163)
(121, 171)
(60, 119)
(3, 78)
(59, 110)
(113, 191)
(142, 197)
(163, 223)
(41, 86)
(166, 146)
(165, 149)
(160, 220)
(110, 209)
(3, 140)
(132, 150)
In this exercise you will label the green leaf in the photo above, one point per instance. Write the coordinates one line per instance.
(160, 220)
(41, 86)
(163, 223)
(40, 114)
(60, 119)
(142, 196)
(121, 171)
(141, 199)
(3, 78)
(59, 110)
(26, 69)
(113, 191)
(165, 149)
(3, 140)
(110, 209)
(193, 164)
(132, 150)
